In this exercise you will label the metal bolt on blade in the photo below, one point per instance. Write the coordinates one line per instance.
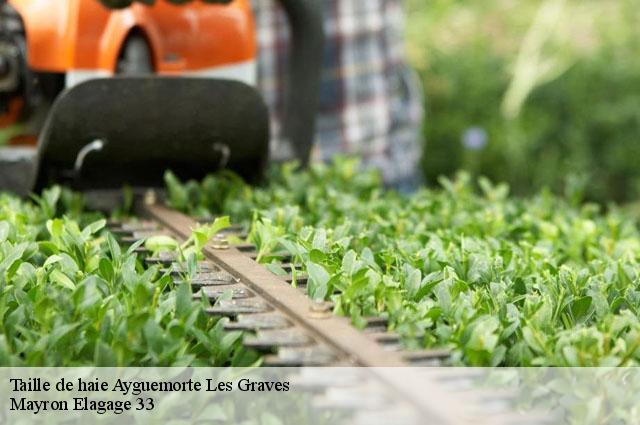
(320, 309)
(220, 241)
(150, 197)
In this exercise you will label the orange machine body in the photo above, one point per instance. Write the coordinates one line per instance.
(83, 39)
(79, 40)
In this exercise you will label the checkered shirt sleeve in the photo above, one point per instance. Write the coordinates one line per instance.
(370, 104)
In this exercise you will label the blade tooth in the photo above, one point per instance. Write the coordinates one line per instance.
(283, 255)
(233, 308)
(433, 357)
(208, 280)
(384, 337)
(215, 292)
(376, 324)
(147, 233)
(165, 259)
(255, 322)
(203, 267)
(268, 340)
(301, 280)
(245, 247)
(318, 355)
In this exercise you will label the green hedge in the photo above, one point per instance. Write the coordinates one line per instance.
(500, 280)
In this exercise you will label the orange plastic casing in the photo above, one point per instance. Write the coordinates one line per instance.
(67, 35)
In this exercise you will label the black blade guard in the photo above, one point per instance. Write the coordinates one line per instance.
(110, 132)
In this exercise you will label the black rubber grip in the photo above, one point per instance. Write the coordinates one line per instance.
(303, 80)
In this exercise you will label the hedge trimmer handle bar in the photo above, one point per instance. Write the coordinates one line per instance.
(303, 80)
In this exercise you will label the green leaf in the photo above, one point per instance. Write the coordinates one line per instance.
(519, 286)
(317, 256)
(161, 243)
(184, 300)
(349, 263)
(178, 196)
(52, 260)
(13, 257)
(318, 280)
(5, 228)
(94, 228)
(276, 269)
(219, 224)
(319, 240)
(228, 340)
(412, 281)
(114, 247)
(104, 355)
(137, 244)
(60, 332)
(153, 335)
(203, 234)
(483, 335)
(106, 269)
(55, 228)
(534, 340)
(61, 279)
(426, 286)
(580, 308)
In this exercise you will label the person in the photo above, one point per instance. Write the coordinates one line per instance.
(370, 103)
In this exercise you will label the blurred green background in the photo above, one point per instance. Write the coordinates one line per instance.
(537, 93)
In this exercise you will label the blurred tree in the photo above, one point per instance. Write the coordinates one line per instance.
(553, 88)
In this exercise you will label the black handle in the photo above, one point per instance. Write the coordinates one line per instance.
(303, 80)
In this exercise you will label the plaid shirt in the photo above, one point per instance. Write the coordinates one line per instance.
(369, 103)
